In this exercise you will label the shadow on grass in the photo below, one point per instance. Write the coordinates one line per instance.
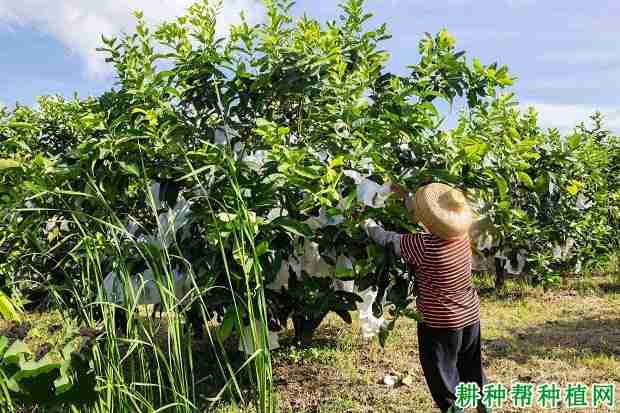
(557, 339)
(610, 288)
(505, 294)
(325, 337)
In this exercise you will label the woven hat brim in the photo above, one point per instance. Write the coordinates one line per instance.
(440, 220)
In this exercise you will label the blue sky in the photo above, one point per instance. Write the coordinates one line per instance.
(564, 53)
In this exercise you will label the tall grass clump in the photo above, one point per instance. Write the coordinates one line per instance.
(144, 366)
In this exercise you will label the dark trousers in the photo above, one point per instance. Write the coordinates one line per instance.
(449, 357)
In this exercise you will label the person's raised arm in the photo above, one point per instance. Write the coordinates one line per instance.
(382, 237)
(378, 234)
(413, 244)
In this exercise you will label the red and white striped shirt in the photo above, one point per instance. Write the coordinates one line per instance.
(446, 294)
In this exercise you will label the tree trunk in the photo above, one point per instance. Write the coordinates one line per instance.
(304, 330)
(194, 317)
(500, 273)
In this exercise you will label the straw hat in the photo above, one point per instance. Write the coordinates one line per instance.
(443, 210)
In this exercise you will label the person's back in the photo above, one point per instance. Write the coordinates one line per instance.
(445, 293)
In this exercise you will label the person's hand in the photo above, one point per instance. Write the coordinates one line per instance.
(398, 190)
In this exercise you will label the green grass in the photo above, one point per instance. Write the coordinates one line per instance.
(565, 335)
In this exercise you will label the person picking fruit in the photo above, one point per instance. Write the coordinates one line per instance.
(449, 333)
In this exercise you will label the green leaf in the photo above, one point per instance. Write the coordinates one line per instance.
(306, 172)
(62, 384)
(8, 311)
(262, 123)
(262, 248)
(226, 328)
(8, 164)
(74, 193)
(69, 348)
(502, 186)
(293, 226)
(130, 169)
(446, 39)
(36, 368)
(541, 184)
(27, 125)
(574, 141)
(474, 148)
(13, 385)
(525, 179)
(503, 206)
(244, 260)
(336, 162)
(478, 67)
(344, 273)
(527, 145)
(347, 202)
(4, 345)
(53, 234)
(16, 352)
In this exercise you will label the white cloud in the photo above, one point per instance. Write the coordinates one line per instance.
(566, 116)
(79, 24)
